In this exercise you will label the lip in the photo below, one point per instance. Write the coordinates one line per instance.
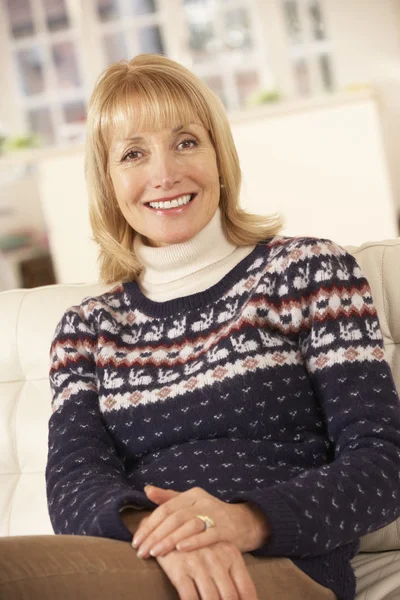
(172, 211)
(171, 197)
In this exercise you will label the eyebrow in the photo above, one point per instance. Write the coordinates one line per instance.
(136, 139)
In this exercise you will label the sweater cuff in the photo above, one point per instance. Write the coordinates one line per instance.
(134, 506)
(284, 529)
(107, 521)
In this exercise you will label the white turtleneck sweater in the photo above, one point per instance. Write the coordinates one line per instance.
(183, 269)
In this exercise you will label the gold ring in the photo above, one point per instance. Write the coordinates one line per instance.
(208, 522)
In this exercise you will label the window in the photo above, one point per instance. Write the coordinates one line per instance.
(215, 38)
(45, 51)
(59, 47)
(309, 47)
(223, 45)
(128, 27)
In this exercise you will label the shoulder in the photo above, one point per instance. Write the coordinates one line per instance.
(109, 301)
(293, 252)
(84, 316)
(301, 264)
(304, 247)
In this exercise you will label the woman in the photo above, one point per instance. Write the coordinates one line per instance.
(227, 409)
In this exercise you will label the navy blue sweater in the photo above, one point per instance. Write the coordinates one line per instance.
(270, 387)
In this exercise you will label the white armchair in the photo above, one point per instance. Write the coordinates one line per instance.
(27, 322)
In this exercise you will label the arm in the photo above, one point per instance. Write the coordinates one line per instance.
(85, 478)
(342, 348)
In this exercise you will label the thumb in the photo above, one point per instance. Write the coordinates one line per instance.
(159, 495)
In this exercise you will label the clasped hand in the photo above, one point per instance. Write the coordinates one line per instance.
(174, 525)
(213, 573)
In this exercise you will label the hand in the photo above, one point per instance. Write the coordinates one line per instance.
(174, 524)
(217, 572)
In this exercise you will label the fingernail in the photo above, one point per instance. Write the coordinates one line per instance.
(182, 546)
(140, 553)
(156, 550)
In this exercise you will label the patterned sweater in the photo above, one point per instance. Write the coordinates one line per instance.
(269, 387)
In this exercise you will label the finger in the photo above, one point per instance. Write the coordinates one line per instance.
(218, 565)
(206, 538)
(143, 521)
(242, 580)
(224, 583)
(189, 536)
(206, 586)
(180, 577)
(160, 514)
(166, 536)
(186, 589)
(159, 495)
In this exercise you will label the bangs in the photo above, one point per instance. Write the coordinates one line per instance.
(143, 104)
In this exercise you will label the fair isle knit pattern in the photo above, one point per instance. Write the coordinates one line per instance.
(270, 387)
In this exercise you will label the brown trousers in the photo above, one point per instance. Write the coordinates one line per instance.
(69, 567)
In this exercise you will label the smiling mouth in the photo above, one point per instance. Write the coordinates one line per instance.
(175, 203)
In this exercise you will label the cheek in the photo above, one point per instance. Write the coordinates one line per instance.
(207, 174)
(126, 187)
(213, 181)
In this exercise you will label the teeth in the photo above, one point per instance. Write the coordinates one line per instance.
(172, 203)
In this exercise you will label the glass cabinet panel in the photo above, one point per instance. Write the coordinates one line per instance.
(30, 68)
(143, 7)
(291, 12)
(199, 20)
(150, 40)
(302, 76)
(247, 83)
(237, 28)
(56, 15)
(20, 18)
(40, 124)
(108, 10)
(115, 47)
(201, 36)
(64, 57)
(317, 22)
(74, 111)
(326, 71)
(217, 85)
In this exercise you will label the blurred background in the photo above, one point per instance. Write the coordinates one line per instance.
(312, 90)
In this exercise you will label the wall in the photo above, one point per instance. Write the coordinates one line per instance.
(365, 36)
(366, 48)
(64, 199)
(20, 211)
(11, 118)
(323, 168)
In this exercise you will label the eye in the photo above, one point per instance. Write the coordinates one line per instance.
(131, 155)
(187, 144)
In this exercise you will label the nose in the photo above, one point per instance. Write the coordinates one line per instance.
(164, 171)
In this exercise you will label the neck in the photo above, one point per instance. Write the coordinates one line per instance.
(170, 263)
(183, 269)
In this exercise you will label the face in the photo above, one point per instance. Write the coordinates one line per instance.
(166, 182)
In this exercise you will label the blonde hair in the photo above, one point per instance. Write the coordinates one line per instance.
(153, 91)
